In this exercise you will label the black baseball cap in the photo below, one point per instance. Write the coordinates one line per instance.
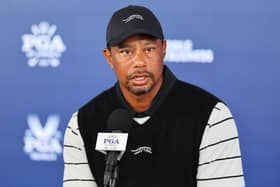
(132, 20)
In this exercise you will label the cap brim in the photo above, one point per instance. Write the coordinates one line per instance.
(121, 38)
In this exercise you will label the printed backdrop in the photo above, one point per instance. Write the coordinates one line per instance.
(52, 63)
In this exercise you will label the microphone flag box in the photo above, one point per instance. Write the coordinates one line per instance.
(111, 141)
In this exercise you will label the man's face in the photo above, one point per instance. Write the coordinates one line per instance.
(138, 63)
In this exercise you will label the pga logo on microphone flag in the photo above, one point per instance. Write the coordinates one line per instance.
(111, 141)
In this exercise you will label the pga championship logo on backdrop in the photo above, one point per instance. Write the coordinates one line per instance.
(181, 51)
(43, 48)
(42, 142)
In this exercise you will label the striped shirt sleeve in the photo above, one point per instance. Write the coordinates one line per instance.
(220, 158)
(76, 169)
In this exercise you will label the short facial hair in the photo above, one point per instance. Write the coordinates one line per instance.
(144, 90)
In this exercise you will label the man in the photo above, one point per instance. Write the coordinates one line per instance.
(180, 134)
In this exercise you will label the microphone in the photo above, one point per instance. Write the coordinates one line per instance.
(118, 122)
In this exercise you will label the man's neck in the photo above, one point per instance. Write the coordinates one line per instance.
(139, 103)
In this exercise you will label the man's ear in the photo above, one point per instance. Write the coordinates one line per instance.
(108, 57)
(164, 45)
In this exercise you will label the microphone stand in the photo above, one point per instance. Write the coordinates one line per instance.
(111, 170)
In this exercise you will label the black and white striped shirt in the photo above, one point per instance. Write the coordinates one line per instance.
(219, 161)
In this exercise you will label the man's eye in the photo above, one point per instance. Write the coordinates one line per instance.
(150, 49)
(125, 52)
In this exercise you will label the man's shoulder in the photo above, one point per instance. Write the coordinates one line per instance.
(101, 99)
(194, 92)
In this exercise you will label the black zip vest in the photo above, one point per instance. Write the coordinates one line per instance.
(172, 137)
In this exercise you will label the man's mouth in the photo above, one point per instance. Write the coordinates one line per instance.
(140, 80)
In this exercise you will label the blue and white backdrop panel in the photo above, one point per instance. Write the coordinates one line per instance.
(52, 63)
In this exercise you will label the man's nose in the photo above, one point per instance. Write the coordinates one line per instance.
(139, 60)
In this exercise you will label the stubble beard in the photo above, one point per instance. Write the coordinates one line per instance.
(144, 89)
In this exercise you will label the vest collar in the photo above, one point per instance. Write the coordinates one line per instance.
(169, 80)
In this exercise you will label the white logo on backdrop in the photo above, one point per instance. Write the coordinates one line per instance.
(43, 143)
(181, 51)
(43, 48)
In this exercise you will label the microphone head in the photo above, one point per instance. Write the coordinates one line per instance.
(119, 120)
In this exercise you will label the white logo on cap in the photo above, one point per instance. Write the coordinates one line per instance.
(132, 17)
